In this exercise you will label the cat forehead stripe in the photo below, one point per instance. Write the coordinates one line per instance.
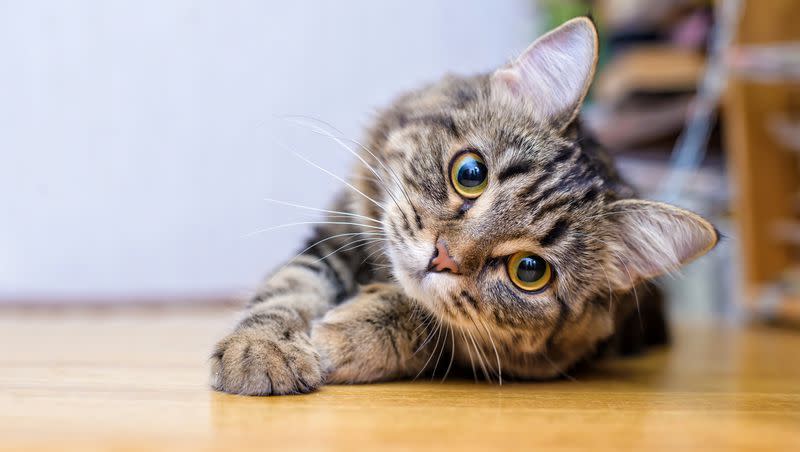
(515, 169)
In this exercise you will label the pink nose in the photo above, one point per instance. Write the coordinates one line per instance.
(441, 260)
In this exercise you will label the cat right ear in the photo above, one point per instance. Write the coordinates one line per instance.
(654, 238)
(555, 72)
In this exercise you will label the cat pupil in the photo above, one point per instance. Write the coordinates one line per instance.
(472, 173)
(531, 269)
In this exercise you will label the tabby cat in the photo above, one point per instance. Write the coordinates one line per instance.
(479, 232)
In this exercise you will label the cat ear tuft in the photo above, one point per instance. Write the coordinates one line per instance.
(555, 72)
(656, 238)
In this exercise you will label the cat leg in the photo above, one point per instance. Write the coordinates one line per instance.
(269, 351)
(377, 335)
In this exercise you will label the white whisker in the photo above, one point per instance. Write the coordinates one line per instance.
(469, 351)
(368, 240)
(496, 354)
(300, 223)
(379, 250)
(338, 141)
(433, 352)
(380, 206)
(318, 242)
(436, 365)
(479, 354)
(349, 214)
(380, 161)
(428, 338)
(452, 353)
(557, 369)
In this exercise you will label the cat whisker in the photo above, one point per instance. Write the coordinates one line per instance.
(339, 141)
(469, 351)
(452, 353)
(436, 366)
(379, 250)
(373, 242)
(557, 369)
(480, 356)
(366, 178)
(425, 323)
(380, 161)
(433, 352)
(496, 354)
(349, 185)
(479, 349)
(431, 333)
(426, 327)
(389, 169)
(300, 223)
(396, 179)
(300, 206)
(318, 242)
(415, 312)
(380, 181)
(368, 240)
(332, 217)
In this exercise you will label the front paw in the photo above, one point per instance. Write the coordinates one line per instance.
(266, 361)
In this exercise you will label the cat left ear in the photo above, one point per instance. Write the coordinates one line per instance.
(555, 72)
(654, 238)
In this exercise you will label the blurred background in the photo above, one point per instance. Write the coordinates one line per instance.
(139, 141)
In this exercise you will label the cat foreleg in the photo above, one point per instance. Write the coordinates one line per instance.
(377, 335)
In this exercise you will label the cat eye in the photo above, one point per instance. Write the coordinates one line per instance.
(528, 271)
(468, 174)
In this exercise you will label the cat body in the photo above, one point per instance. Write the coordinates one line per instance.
(479, 231)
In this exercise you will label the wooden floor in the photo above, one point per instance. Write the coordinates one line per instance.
(137, 381)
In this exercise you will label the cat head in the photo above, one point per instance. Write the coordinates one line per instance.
(497, 213)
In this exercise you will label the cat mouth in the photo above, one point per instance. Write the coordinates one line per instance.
(424, 284)
(436, 283)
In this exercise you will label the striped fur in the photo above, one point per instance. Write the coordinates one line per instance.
(358, 304)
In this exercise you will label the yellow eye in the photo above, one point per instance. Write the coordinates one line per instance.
(468, 174)
(529, 272)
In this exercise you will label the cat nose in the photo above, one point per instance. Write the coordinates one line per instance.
(441, 260)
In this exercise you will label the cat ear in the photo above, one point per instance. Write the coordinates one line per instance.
(654, 238)
(555, 72)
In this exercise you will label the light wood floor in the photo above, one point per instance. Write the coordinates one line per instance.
(137, 381)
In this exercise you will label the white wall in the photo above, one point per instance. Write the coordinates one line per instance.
(137, 138)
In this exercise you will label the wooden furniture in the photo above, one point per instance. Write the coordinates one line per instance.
(764, 171)
(137, 381)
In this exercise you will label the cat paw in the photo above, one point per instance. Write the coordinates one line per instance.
(266, 361)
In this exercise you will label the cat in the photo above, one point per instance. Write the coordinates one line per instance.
(479, 231)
